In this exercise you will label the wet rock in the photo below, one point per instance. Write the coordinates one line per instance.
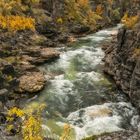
(31, 82)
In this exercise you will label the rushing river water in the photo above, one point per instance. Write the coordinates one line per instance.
(81, 95)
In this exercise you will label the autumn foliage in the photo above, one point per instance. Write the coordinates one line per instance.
(15, 23)
(12, 17)
(66, 132)
(81, 12)
(31, 121)
(32, 129)
(8, 7)
(129, 21)
(99, 9)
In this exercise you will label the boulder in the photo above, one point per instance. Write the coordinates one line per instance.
(31, 82)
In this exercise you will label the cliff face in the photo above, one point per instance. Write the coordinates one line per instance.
(122, 61)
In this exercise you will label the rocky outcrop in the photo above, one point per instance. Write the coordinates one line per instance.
(38, 55)
(122, 62)
(31, 82)
(20, 54)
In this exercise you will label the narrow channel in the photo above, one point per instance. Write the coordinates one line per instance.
(78, 93)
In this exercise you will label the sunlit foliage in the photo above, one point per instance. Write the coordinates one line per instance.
(99, 10)
(81, 12)
(66, 132)
(15, 23)
(59, 20)
(12, 15)
(14, 112)
(32, 129)
(129, 21)
(31, 124)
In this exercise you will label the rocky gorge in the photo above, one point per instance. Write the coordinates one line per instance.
(122, 62)
(60, 64)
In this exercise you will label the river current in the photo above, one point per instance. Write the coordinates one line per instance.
(81, 95)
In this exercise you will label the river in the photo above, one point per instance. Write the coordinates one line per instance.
(81, 95)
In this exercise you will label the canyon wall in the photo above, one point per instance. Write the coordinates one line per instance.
(122, 62)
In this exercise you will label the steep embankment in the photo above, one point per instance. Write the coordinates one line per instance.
(122, 61)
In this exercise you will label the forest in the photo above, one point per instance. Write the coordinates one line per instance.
(69, 69)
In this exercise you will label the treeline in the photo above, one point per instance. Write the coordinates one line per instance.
(25, 14)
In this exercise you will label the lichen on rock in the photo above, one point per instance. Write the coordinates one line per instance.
(31, 82)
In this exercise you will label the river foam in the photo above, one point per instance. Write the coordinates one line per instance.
(81, 95)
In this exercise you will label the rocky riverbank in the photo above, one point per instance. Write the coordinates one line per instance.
(21, 52)
(122, 62)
